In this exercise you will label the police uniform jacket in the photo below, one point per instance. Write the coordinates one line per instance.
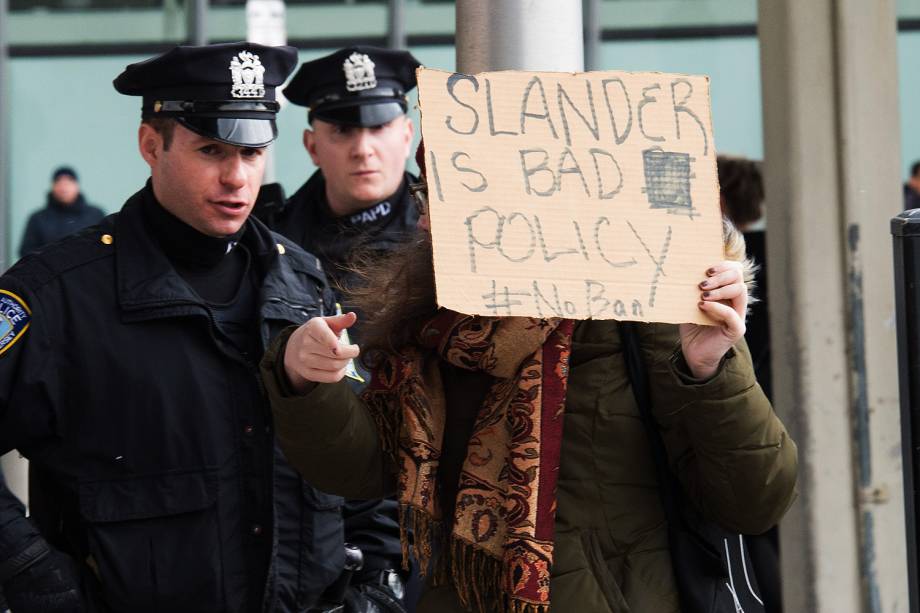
(151, 432)
(308, 221)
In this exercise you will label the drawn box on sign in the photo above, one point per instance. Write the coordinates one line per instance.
(667, 180)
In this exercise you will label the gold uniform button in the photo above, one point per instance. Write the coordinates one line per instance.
(280, 248)
(107, 239)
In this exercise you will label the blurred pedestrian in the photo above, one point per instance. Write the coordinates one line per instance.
(742, 198)
(912, 188)
(65, 212)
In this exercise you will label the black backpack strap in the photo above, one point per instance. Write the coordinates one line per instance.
(638, 379)
(696, 559)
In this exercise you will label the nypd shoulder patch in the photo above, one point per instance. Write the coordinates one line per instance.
(14, 319)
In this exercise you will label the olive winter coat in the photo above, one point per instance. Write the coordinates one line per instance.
(731, 453)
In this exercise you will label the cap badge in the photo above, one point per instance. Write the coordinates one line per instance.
(247, 72)
(359, 73)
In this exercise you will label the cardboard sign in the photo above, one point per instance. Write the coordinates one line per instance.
(589, 195)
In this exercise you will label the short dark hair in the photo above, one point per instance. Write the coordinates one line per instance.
(915, 169)
(741, 185)
(63, 171)
(164, 126)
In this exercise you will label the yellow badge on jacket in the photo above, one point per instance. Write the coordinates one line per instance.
(14, 319)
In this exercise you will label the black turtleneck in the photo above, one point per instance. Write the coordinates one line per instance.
(213, 266)
(219, 270)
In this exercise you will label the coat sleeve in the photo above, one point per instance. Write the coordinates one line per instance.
(328, 435)
(728, 448)
(373, 526)
(26, 418)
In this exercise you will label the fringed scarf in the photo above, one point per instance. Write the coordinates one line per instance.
(501, 541)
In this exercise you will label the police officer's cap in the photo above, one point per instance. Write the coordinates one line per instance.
(357, 86)
(225, 91)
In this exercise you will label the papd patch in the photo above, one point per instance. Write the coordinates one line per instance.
(14, 319)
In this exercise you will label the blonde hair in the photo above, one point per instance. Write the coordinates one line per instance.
(736, 251)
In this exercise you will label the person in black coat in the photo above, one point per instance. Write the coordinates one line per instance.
(360, 137)
(65, 212)
(912, 188)
(358, 201)
(742, 198)
(129, 379)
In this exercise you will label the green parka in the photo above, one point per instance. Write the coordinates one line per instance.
(731, 453)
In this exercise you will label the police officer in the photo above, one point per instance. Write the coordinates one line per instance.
(128, 374)
(360, 138)
(358, 199)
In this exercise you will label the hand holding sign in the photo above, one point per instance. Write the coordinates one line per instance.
(724, 299)
(314, 353)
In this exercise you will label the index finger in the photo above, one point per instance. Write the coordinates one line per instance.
(323, 335)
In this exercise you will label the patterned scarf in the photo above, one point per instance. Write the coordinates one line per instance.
(501, 541)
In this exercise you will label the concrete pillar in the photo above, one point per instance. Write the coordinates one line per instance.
(831, 141)
(519, 35)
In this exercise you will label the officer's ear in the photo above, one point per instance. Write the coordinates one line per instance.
(309, 143)
(410, 132)
(149, 143)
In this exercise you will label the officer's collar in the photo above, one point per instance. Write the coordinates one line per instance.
(146, 277)
(375, 215)
(180, 241)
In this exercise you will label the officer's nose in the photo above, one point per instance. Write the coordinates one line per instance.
(363, 143)
(233, 172)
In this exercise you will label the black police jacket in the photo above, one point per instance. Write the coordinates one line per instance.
(307, 220)
(151, 435)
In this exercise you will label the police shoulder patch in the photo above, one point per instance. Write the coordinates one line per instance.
(14, 319)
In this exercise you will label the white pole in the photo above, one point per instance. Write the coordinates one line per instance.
(266, 25)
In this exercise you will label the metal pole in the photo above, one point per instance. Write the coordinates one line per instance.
(4, 136)
(592, 10)
(905, 228)
(397, 25)
(519, 35)
(197, 33)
